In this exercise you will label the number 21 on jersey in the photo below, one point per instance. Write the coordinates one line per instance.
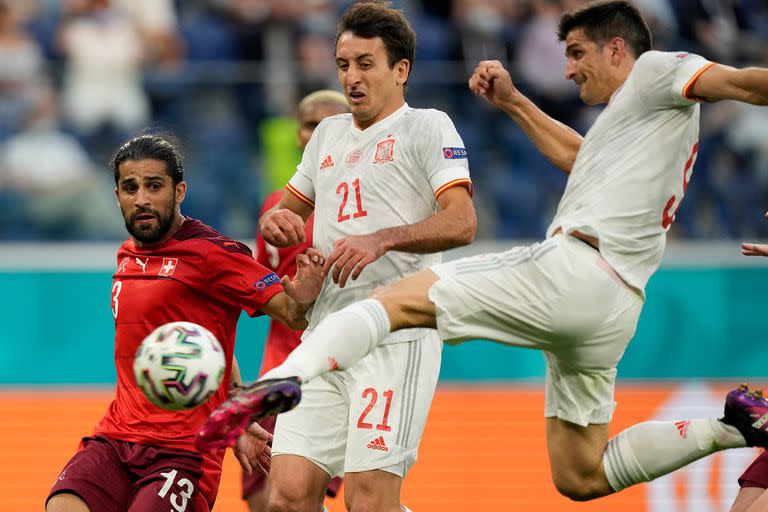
(343, 192)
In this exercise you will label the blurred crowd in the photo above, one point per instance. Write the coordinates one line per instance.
(79, 76)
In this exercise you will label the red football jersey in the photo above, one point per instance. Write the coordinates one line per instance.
(197, 276)
(281, 340)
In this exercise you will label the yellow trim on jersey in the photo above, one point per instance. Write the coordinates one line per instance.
(301, 197)
(689, 85)
(455, 183)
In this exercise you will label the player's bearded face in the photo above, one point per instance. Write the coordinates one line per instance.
(148, 199)
(149, 225)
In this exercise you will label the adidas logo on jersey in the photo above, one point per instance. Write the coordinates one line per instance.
(378, 444)
(328, 162)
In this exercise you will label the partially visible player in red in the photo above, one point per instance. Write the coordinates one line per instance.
(753, 483)
(281, 340)
(141, 457)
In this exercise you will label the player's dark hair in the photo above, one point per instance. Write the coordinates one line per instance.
(379, 19)
(152, 146)
(606, 19)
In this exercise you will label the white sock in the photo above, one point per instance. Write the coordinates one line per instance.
(337, 343)
(654, 448)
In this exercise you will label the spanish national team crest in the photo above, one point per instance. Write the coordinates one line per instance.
(169, 267)
(385, 152)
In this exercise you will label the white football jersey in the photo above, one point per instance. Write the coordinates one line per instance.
(361, 181)
(634, 164)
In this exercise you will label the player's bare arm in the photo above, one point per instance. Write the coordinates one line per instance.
(556, 141)
(453, 226)
(236, 379)
(290, 307)
(720, 82)
(283, 224)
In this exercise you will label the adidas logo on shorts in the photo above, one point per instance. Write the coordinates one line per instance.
(378, 444)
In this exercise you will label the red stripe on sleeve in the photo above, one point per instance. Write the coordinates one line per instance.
(461, 182)
(300, 196)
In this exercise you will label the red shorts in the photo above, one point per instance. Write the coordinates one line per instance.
(255, 481)
(756, 475)
(115, 476)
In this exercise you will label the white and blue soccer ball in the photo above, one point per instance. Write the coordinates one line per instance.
(179, 365)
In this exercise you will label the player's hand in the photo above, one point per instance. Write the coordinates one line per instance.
(306, 284)
(350, 255)
(750, 249)
(253, 450)
(491, 81)
(283, 228)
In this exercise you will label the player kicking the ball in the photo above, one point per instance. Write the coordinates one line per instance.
(577, 295)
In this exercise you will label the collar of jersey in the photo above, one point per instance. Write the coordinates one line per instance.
(384, 124)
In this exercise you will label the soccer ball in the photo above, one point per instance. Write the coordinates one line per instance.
(179, 365)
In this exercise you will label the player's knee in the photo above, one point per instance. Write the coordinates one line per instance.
(363, 507)
(577, 488)
(290, 502)
(362, 502)
(367, 493)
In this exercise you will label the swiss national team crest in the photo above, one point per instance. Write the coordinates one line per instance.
(169, 266)
(385, 152)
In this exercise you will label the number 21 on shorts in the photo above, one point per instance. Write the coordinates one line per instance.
(364, 422)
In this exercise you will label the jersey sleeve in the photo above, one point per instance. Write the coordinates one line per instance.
(665, 79)
(234, 277)
(443, 154)
(302, 184)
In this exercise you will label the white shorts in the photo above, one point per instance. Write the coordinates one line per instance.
(368, 417)
(558, 296)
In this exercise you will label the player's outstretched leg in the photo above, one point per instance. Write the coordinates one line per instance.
(344, 337)
(748, 412)
(654, 448)
(228, 421)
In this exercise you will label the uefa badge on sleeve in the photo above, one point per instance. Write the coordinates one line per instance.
(454, 153)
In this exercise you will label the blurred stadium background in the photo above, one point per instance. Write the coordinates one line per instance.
(78, 76)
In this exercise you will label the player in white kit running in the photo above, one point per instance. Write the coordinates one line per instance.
(389, 186)
(578, 295)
